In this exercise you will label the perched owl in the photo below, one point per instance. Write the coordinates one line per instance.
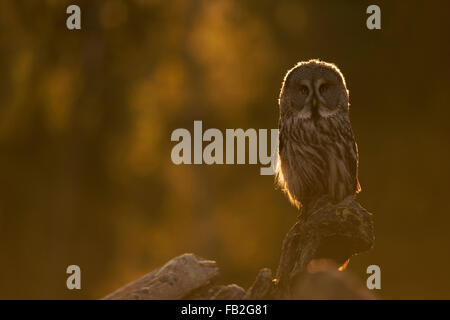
(317, 155)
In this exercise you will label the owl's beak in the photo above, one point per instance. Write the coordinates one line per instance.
(314, 102)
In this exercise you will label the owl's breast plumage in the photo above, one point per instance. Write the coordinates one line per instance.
(318, 158)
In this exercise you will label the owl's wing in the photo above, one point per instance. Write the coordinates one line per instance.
(353, 160)
(354, 168)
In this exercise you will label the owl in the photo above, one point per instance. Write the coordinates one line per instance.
(317, 154)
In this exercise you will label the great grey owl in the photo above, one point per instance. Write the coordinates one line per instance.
(317, 155)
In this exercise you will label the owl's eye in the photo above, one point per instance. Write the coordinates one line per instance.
(323, 88)
(304, 90)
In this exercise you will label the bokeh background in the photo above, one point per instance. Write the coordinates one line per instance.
(86, 176)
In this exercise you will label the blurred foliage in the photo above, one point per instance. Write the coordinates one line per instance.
(86, 116)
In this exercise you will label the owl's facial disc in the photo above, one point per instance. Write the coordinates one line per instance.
(314, 98)
(313, 90)
(303, 96)
(326, 91)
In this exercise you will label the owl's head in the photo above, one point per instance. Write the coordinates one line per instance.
(313, 89)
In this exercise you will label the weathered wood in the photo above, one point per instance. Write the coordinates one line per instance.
(229, 292)
(263, 287)
(176, 279)
(323, 239)
(325, 230)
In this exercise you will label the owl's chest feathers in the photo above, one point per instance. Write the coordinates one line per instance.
(315, 139)
(313, 156)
